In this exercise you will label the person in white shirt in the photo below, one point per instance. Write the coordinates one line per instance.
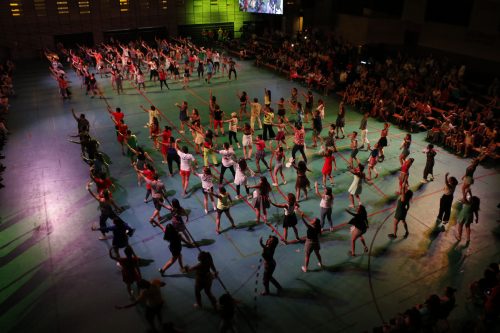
(153, 113)
(207, 186)
(186, 161)
(227, 161)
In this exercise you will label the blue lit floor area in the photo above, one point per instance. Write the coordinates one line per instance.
(56, 276)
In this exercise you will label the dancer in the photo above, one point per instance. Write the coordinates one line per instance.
(106, 205)
(404, 175)
(357, 184)
(158, 193)
(166, 134)
(223, 204)
(468, 178)
(207, 186)
(372, 162)
(308, 105)
(240, 178)
(227, 161)
(312, 242)
(268, 250)
(162, 75)
(204, 278)
(218, 120)
(325, 204)
(326, 171)
(354, 149)
(186, 161)
(450, 183)
(405, 146)
(152, 113)
(121, 232)
(247, 141)
(430, 153)
(268, 132)
(140, 162)
(260, 155)
(321, 108)
(267, 97)
(208, 148)
(129, 266)
(290, 218)
(281, 109)
(359, 225)
(340, 122)
(294, 94)
(121, 134)
(154, 132)
(299, 141)
(382, 142)
(280, 136)
(402, 207)
(363, 126)
(278, 167)
(255, 110)
(243, 97)
(178, 222)
(175, 247)
(302, 183)
(232, 68)
(470, 208)
(317, 128)
(183, 114)
(261, 197)
(233, 129)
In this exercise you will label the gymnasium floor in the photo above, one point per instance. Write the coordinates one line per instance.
(57, 277)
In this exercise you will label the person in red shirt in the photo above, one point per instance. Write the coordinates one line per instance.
(121, 134)
(165, 143)
(260, 144)
(102, 183)
(405, 173)
(117, 115)
(148, 173)
(63, 87)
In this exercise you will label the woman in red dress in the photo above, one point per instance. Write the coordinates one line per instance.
(165, 143)
(326, 171)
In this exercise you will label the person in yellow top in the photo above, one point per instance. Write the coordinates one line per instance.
(223, 204)
(256, 107)
(268, 123)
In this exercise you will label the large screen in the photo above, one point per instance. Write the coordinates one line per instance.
(262, 6)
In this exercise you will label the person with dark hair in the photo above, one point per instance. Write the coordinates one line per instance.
(404, 174)
(382, 142)
(430, 153)
(312, 242)
(468, 178)
(223, 204)
(140, 163)
(308, 105)
(208, 148)
(363, 126)
(166, 134)
(325, 205)
(243, 98)
(261, 197)
(246, 141)
(204, 278)
(207, 186)
(121, 232)
(232, 69)
(278, 167)
(405, 146)
(106, 205)
(299, 141)
(158, 193)
(82, 122)
(226, 309)
(268, 250)
(175, 246)
(183, 115)
(372, 162)
(129, 266)
(359, 225)
(302, 182)
(354, 149)
(290, 218)
(150, 296)
(340, 121)
(402, 207)
(357, 184)
(178, 212)
(187, 160)
(317, 126)
(450, 183)
(268, 132)
(227, 161)
(241, 174)
(260, 154)
(470, 209)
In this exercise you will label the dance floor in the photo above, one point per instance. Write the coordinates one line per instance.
(56, 275)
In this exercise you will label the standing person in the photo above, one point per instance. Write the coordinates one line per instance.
(280, 136)
(228, 162)
(450, 183)
(278, 167)
(294, 94)
(260, 155)
(267, 97)
(166, 134)
(290, 218)
(359, 225)
(178, 212)
(340, 122)
(208, 148)
(183, 114)
(317, 128)
(240, 178)
(302, 183)
(326, 171)
(204, 278)
(210, 70)
(281, 109)
(468, 178)
(262, 199)
(207, 186)
(470, 208)
(224, 202)
(185, 78)
(172, 156)
(430, 153)
(363, 126)
(312, 242)
(299, 141)
(372, 162)
(233, 129)
(321, 108)
(308, 106)
(243, 97)
(152, 113)
(129, 266)
(246, 141)
(82, 122)
(330, 139)
(268, 250)
(158, 193)
(139, 80)
(402, 207)
(325, 205)
(131, 141)
(232, 69)
(354, 149)
(404, 175)
(405, 146)
(218, 120)
(255, 109)
(200, 69)
(119, 82)
(150, 295)
(162, 75)
(186, 161)
(382, 142)
(357, 184)
(121, 134)
(268, 124)
(154, 132)
(140, 162)
(175, 247)
(106, 205)
(121, 232)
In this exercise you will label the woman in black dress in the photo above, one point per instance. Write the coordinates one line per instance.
(269, 263)
(302, 183)
(172, 236)
(402, 207)
(290, 219)
(359, 226)
(312, 242)
(262, 200)
(204, 278)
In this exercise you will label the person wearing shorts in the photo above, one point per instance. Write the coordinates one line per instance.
(223, 203)
(183, 114)
(312, 242)
(218, 123)
(186, 161)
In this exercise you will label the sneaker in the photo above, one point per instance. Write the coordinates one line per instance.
(164, 162)
(181, 132)
(304, 269)
(284, 182)
(392, 236)
(275, 184)
(406, 234)
(445, 222)
(206, 211)
(320, 265)
(423, 181)
(103, 237)
(432, 178)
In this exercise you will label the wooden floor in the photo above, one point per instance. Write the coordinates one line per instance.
(57, 277)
